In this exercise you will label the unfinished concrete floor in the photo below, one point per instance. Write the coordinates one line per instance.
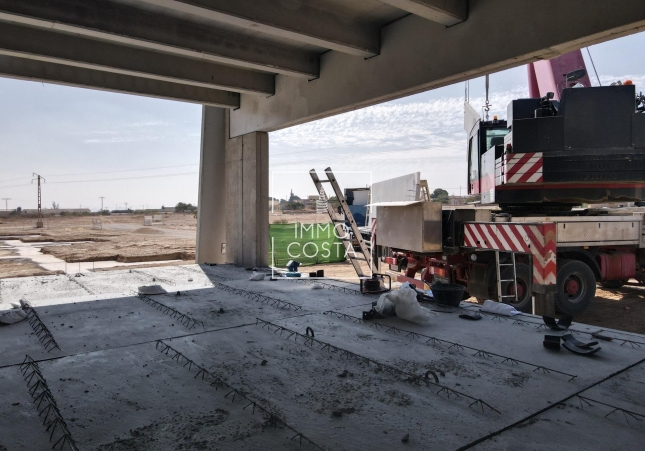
(242, 372)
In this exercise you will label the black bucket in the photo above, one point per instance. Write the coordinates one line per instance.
(448, 293)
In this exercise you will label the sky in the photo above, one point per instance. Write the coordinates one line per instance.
(144, 152)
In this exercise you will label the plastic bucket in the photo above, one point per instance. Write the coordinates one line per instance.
(448, 293)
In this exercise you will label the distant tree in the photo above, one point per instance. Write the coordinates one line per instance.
(182, 207)
(55, 206)
(335, 203)
(295, 206)
(440, 195)
(19, 210)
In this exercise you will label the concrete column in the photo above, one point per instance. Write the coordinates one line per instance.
(211, 222)
(233, 217)
(247, 207)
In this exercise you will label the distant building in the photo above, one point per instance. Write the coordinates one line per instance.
(457, 200)
(57, 211)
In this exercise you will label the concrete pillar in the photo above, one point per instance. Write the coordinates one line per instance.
(247, 208)
(233, 217)
(211, 221)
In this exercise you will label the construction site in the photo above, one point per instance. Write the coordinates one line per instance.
(377, 311)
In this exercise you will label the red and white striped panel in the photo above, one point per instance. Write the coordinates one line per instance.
(519, 168)
(535, 239)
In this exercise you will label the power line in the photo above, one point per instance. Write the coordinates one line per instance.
(13, 180)
(125, 170)
(102, 172)
(128, 178)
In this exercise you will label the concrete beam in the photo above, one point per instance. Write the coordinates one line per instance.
(126, 25)
(445, 12)
(211, 223)
(294, 20)
(418, 55)
(42, 45)
(27, 69)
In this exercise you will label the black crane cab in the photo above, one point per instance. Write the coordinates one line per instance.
(485, 145)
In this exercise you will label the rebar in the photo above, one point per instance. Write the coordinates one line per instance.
(42, 395)
(217, 382)
(154, 278)
(627, 414)
(181, 317)
(519, 321)
(73, 279)
(451, 344)
(42, 332)
(328, 286)
(344, 353)
(223, 278)
(279, 303)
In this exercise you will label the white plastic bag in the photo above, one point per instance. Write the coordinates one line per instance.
(499, 308)
(13, 316)
(384, 306)
(405, 305)
(257, 276)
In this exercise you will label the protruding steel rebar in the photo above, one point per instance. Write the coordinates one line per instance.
(328, 286)
(279, 303)
(344, 353)
(41, 394)
(181, 317)
(522, 322)
(627, 414)
(450, 344)
(217, 382)
(42, 332)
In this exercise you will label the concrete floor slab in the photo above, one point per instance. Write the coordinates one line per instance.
(117, 391)
(34, 288)
(20, 424)
(135, 398)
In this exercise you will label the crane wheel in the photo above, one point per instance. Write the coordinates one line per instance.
(576, 286)
(523, 303)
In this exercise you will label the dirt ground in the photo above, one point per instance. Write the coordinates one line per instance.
(22, 267)
(123, 238)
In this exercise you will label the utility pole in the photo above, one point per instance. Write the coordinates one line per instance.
(39, 222)
(6, 203)
(101, 202)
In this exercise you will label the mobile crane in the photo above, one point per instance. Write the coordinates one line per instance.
(527, 240)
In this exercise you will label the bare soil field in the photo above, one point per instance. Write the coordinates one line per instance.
(122, 238)
(22, 267)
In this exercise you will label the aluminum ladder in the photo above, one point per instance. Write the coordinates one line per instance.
(499, 265)
(339, 221)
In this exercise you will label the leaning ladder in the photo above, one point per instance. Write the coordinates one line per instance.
(339, 221)
(500, 265)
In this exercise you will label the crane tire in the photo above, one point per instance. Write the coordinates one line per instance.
(576, 285)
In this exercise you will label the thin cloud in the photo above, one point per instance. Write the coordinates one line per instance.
(121, 139)
(436, 122)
